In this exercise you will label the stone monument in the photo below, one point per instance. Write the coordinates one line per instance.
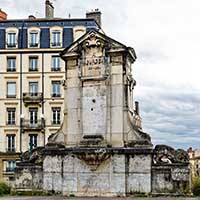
(100, 148)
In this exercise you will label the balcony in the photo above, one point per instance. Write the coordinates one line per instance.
(10, 169)
(10, 150)
(11, 45)
(33, 45)
(33, 125)
(56, 44)
(11, 69)
(32, 98)
(55, 123)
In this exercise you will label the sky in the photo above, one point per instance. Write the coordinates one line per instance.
(166, 38)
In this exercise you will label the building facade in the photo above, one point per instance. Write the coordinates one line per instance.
(194, 156)
(32, 75)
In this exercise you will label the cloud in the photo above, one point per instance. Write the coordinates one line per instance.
(171, 117)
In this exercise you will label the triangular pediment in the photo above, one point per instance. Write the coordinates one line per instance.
(94, 39)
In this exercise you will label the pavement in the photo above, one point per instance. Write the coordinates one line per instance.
(76, 198)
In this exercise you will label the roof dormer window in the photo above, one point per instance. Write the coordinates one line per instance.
(34, 37)
(11, 37)
(11, 42)
(56, 37)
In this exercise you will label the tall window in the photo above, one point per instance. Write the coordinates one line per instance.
(33, 114)
(33, 88)
(11, 116)
(11, 143)
(32, 141)
(11, 40)
(56, 39)
(34, 39)
(55, 88)
(11, 64)
(56, 115)
(33, 63)
(55, 63)
(10, 165)
(11, 89)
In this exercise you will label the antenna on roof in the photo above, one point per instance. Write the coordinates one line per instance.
(69, 15)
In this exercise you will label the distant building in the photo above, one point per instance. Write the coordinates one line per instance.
(194, 156)
(32, 75)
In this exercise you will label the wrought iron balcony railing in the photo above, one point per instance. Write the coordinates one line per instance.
(56, 44)
(30, 125)
(33, 44)
(11, 45)
(10, 150)
(55, 122)
(33, 97)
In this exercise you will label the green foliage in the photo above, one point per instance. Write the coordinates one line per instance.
(4, 188)
(196, 186)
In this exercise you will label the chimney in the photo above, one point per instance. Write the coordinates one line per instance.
(49, 10)
(94, 14)
(3, 15)
(137, 108)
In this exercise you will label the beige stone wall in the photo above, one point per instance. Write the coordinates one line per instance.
(113, 177)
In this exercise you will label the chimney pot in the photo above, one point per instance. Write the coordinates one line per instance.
(3, 15)
(137, 108)
(94, 14)
(49, 10)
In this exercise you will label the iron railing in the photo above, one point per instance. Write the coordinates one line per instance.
(33, 97)
(37, 124)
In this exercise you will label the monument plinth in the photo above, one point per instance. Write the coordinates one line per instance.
(101, 149)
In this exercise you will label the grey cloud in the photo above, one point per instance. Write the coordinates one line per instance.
(171, 117)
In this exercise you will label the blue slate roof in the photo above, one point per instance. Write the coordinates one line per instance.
(44, 25)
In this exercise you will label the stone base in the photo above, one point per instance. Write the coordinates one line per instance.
(173, 178)
(97, 172)
(102, 172)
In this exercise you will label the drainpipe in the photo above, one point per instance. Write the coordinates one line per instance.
(21, 94)
(43, 119)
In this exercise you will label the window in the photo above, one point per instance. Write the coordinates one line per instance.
(11, 143)
(33, 88)
(78, 31)
(11, 40)
(55, 88)
(56, 115)
(11, 116)
(55, 63)
(33, 114)
(32, 141)
(10, 165)
(11, 64)
(33, 63)
(11, 89)
(56, 39)
(34, 39)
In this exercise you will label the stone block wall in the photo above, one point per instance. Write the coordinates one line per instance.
(174, 178)
(29, 177)
(139, 175)
(118, 175)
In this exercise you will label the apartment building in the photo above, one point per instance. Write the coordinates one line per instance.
(32, 74)
(194, 156)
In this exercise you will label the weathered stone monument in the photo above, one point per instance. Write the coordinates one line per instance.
(101, 149)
